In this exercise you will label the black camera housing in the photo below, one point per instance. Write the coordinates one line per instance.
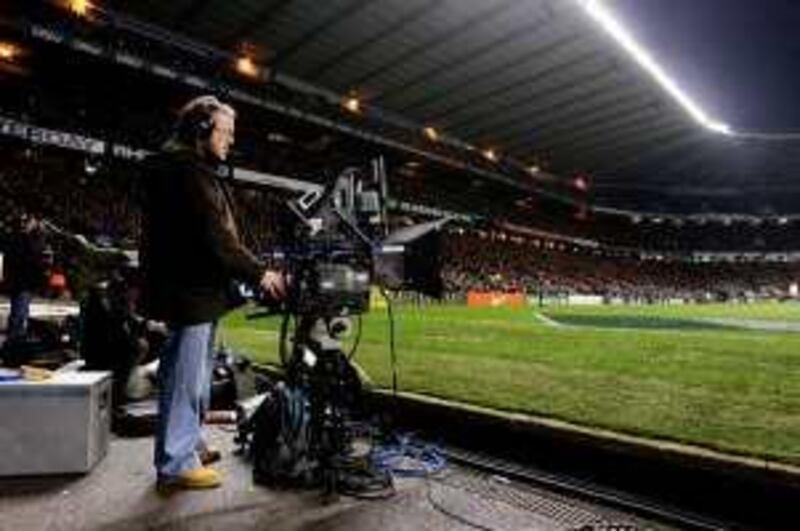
(340, 248)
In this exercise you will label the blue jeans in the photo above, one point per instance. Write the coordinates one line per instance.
(18, 315)
(184, 376)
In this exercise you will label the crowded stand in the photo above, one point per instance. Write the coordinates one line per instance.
(98, 199)
(521, 230)
(491, 261)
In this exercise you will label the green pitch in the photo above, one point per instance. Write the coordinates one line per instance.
(722, 376)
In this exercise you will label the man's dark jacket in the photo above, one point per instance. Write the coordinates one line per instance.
(190, 250)
(24, 264)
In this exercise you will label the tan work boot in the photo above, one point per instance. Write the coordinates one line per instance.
(196, 478)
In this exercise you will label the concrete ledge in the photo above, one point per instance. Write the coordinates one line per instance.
(430, 411)
(759, 492)
(606, 438)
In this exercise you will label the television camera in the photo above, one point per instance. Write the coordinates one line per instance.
(339, 250)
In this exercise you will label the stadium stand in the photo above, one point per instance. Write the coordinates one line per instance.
(100, 202)
(536, 237)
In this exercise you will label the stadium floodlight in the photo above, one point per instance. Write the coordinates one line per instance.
(352, 104)
(431, 133)
(246, 67)
(80, 7)
(601, 14)
(8, 52)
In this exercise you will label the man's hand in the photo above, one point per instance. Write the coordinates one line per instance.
(274, 283)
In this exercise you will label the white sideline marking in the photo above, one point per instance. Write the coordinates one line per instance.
(546, 320)
(762, 325)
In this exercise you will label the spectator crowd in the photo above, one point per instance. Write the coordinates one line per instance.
(99, 201)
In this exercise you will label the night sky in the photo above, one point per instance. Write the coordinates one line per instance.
(739, 59)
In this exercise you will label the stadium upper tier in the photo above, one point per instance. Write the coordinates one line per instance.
(506, 86)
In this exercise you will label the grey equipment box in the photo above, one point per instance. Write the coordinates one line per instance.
(57, 426)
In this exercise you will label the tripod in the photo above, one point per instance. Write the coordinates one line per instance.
(316, 364)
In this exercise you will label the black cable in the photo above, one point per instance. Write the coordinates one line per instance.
(284, 333)
(392, 351)
(357, 340)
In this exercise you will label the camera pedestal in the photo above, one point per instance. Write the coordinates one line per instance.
(318, 365)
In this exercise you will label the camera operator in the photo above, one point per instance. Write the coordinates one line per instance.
(25, 273)
(191, 254)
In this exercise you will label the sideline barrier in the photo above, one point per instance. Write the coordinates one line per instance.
(585, 300)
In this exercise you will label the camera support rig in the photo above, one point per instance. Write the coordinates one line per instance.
(318, 365)
(338, 250)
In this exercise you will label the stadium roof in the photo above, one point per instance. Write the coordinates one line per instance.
(539, 80)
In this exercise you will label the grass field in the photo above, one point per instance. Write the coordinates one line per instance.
(683, 373)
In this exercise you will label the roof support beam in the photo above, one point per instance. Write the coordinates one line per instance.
(519, 130)
(322, 27)
(488, 109)
(631, 133)
(602, 150)
(479, 99)
(489, 12)
(508, 117)
(604, 121)
(473, 54)
(380, 34)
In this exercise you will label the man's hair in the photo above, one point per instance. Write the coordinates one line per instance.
(196, 118)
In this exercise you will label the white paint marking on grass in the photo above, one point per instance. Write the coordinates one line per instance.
(761, 325)
(546, 320)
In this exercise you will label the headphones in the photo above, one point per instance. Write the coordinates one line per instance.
(196, 120)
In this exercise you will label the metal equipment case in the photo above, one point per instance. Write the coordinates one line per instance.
(58, 426)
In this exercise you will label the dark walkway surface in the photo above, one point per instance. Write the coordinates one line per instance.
(119, 495)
